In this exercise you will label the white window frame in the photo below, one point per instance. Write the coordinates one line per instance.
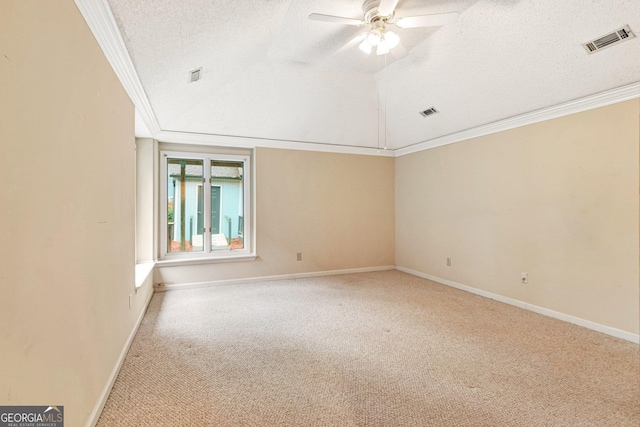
(207, 255)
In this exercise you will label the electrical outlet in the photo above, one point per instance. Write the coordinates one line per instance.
(299, 256)
(449, 262)
(524, 277)
(130, 300)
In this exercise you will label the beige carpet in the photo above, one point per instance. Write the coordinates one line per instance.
(373, 349)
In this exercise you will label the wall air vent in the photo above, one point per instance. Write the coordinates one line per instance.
(610, 39)
(428, 112)
(195, 75)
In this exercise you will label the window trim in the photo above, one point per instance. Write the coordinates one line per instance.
(207, 254)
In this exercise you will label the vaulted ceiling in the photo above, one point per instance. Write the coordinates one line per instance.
(270, 73)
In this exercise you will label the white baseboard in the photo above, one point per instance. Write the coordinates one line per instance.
(174, 287)
(618, 333)
(97, 410)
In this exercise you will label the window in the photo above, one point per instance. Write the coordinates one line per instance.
(205, 206)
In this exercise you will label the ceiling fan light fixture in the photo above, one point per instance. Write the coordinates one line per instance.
(374, 37)
(365, 47)
(390, 39)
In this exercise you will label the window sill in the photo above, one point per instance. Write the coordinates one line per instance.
(205, 260)
(143, 270)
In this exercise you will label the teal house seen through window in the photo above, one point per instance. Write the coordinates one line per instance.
(204, 209)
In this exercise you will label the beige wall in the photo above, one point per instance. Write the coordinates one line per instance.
(558, 200)
(337, 209)
(66, 211)
(146, 175)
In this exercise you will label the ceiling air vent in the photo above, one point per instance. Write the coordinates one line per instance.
(610, 39)
(429, 112)
(195, 75)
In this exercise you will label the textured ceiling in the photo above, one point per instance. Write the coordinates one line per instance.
(269, 72)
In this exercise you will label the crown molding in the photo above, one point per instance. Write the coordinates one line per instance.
(252, 142)
(102, 24)
(602, 99)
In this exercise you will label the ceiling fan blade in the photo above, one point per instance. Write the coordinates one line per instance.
(435, 20)
(387, 7)
(351, 43)
(335, 19)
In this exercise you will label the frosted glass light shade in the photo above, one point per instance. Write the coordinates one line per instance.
(365, 47)
(374, 37)
(390, 39)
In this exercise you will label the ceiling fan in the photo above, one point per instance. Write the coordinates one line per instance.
(379, 15)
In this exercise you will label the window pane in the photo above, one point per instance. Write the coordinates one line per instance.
(184, 205)
(227, 205)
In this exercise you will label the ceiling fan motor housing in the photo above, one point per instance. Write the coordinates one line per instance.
(370, 12)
